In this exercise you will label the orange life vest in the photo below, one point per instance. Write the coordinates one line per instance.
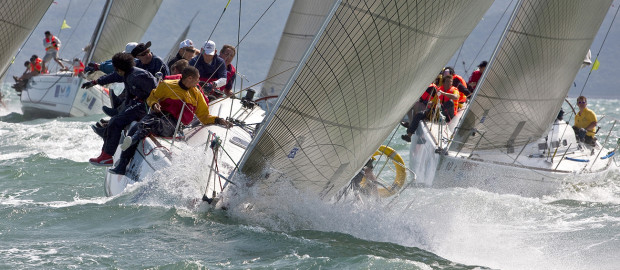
(78, 67)
(55, 46)
(445, 99)
(36, 65)
(457, 77)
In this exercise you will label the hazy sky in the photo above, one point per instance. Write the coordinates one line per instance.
(258, 48)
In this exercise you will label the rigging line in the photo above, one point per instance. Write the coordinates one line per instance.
(253, 85)
(212, 31)
(65, 17)
(237, 49)
(73, 32)
(378, 176)
(489, 36)
(236, 64)
(218, 20)
(599, 50)
(237, 45)
(458, 55)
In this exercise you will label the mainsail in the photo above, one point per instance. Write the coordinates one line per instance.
(368, 64)
(125, 22)
(304, 21)
(531, 74)
(18, 18)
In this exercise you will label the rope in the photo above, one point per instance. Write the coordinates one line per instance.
(238, 43)
(253, 85)
(64, 17)
(489, 36)
(599, 50)
(73, 32)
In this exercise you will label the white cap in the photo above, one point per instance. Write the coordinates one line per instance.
(209, 47)
(130, 46)
(186, 43)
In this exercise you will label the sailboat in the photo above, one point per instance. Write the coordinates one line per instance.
(509, 139)
(60, 94)
(19, 18)
(366, 63)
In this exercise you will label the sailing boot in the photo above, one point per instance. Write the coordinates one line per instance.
(121, 167)
(406, 137)
(102, 160)
(98, 129)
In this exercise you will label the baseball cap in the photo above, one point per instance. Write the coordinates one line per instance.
(186, 43)
(130, 46)
(209, 47)
(140, 48)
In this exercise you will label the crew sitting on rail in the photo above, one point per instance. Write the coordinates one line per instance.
(138, 83)
(447, 95)
(33, 68)
(475, 76)
(460, 84)
(167, 102)
(212, 68)
(585, 122)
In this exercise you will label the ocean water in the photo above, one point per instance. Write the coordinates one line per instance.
(54, 215)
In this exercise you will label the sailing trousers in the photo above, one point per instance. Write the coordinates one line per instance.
(447, 109)
(134, 111)
(154, 123)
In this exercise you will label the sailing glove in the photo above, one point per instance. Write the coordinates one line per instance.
(89, 84)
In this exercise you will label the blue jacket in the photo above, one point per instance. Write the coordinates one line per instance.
(156, 65)
(214, 70)
(138, 82)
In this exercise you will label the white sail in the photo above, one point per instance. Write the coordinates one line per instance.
(18, 18)
(126, 22)
(369, 62)
(304, 21)
(527, 81)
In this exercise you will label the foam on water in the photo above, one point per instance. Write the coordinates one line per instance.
(464, 225)
(56, 139)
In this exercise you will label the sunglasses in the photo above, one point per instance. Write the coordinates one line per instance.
(144, 53)
(581, 102)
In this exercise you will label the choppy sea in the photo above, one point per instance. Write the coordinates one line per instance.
(54, 215)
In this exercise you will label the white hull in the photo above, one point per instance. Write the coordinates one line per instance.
(529, 171)
(151, 156)
(61, 94)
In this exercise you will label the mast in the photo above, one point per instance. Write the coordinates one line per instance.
(97, 34)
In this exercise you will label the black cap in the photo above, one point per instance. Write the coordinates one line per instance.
(483, 64)
(140, 48)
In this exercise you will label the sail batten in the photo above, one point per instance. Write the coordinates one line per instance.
(531, 74)
(365, 69)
